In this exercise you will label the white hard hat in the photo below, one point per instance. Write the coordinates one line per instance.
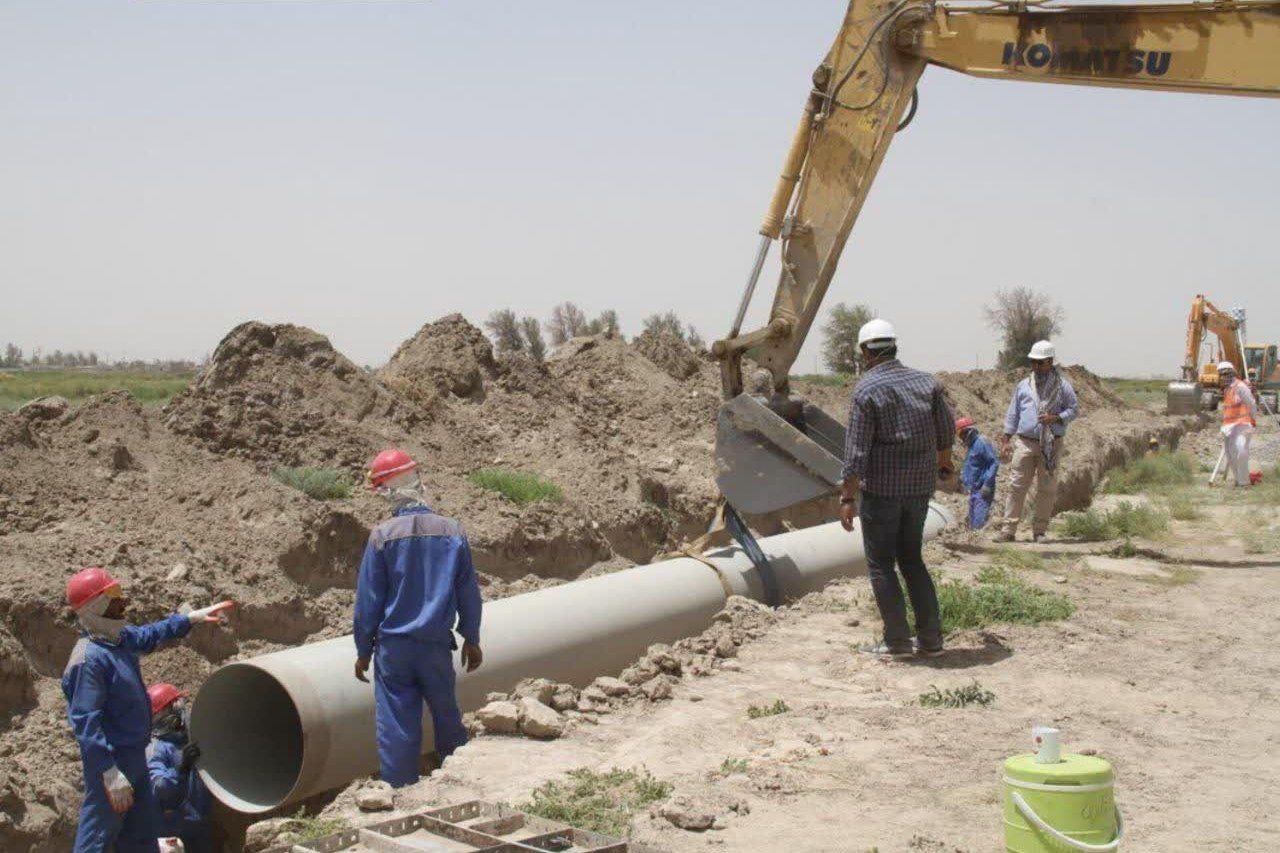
(1041, 350)
(1224, 366)
(877, 334)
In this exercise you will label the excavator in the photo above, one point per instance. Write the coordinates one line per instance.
(774, 451)
(1198, 388)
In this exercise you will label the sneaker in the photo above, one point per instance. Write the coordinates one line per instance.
(885, 651)
(1039, 538)
(928, 651)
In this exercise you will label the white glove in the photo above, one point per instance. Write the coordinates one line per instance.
(212, 613)
(119, 791)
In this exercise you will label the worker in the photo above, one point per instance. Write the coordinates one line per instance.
(416, 580)
(181, 796)
(1239, 419)
(1153, 446)
(110, 712)
(1034, 427)
(978, 476)
(898, 442)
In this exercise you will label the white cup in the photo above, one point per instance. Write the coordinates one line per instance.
(1048, 747)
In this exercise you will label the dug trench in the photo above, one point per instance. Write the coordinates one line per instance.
(182, 503)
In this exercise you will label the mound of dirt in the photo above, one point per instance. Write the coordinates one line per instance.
(449, 356)
(281, 395)
(669, 352)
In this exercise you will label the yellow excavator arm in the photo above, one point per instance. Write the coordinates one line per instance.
(861, 93)
(1198, 386)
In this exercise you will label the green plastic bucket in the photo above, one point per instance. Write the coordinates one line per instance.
(1065, 806)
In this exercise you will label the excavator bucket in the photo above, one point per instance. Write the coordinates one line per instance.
(1183, 398)
(767, 462)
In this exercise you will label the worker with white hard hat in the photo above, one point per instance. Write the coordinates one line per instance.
(416, 581)
(898, 441)
(1034, 427)
(110, 711)
(1239, 419)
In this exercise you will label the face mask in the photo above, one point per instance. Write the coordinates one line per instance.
(97, 625)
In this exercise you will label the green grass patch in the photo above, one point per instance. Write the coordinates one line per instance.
(956, 697)
(734, 765)
(323, 484)
(1143, 393)
(1261, 539)
(1160, 472)
(998, 596)
(831, 380)
(1015, 559)
(1124, 520)
(307, 827)
(755, 712)
(152, 389)
(519, 487)
(600, 802)
(1183, 506)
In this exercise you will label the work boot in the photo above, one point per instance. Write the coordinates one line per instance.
(882, 650)
(1039, 538)
(1003, 536)
(928, 651)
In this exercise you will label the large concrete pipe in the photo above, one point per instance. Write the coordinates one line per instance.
(281, 727)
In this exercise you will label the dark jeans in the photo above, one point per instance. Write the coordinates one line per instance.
(893, 533)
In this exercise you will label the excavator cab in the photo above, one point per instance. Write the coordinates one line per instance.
(774, 452)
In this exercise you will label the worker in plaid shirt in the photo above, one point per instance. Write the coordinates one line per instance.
(898, 441)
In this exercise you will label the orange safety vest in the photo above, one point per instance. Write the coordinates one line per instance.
(1234, 410)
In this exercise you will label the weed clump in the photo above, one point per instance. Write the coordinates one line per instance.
(755, 712)
(998, 596)
(600, 802)
(1124, 520)
(305, 827)
(323, 484)
(734, 765)
(956, 697)
(519, 487)
(1183, 507)
(1160, 472)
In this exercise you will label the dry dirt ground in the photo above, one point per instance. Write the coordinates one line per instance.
(1167, 668)
(181, 504)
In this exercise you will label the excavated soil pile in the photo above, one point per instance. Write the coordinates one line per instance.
(181, 503)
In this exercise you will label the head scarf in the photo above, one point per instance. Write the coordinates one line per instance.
(1046, 390)
(98, 626)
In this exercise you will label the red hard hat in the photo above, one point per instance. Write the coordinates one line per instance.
(87, 584)
(388, 464)
(964, 423)
(162, 696)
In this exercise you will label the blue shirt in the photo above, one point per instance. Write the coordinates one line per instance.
(1024, 419)
(182, 797)
(416, 580)
(898, 421)
(980, 466)
(106, 697)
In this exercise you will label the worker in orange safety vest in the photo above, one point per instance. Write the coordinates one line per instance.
(1239, 418)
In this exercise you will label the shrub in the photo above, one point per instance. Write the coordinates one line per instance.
(734, 765)
(600, 802)
(1183, 507)
(755, 712)
(323, 484)
(1126, 520)
(956, 697)
(519, 487)
(1151, 473)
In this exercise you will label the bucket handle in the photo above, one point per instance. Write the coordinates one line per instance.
(1029, 813)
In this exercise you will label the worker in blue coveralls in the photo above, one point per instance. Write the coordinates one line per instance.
(181, 797)
(110, 712)
(978, 477)
(416, 581)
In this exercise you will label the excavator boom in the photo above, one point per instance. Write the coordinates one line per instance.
(770, 453)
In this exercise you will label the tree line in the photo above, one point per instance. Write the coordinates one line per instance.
(514, 335)
(15, 358)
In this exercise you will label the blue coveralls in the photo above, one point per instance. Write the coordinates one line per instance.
(181, 796)
(416, 580)
(981, 465)
(111, 717)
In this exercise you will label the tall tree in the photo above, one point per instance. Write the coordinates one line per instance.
(533, 342)
(694, 338)
(665, 324)
(504, 328)
(1022, 316)
(840, 351)
(567, 321)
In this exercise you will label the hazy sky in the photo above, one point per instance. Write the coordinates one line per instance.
(169, 168)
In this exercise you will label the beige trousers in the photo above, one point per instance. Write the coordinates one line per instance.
(1028, 465)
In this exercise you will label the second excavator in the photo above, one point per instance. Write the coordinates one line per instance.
(774, 451)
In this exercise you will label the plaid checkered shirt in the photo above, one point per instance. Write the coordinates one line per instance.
(898, 420)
